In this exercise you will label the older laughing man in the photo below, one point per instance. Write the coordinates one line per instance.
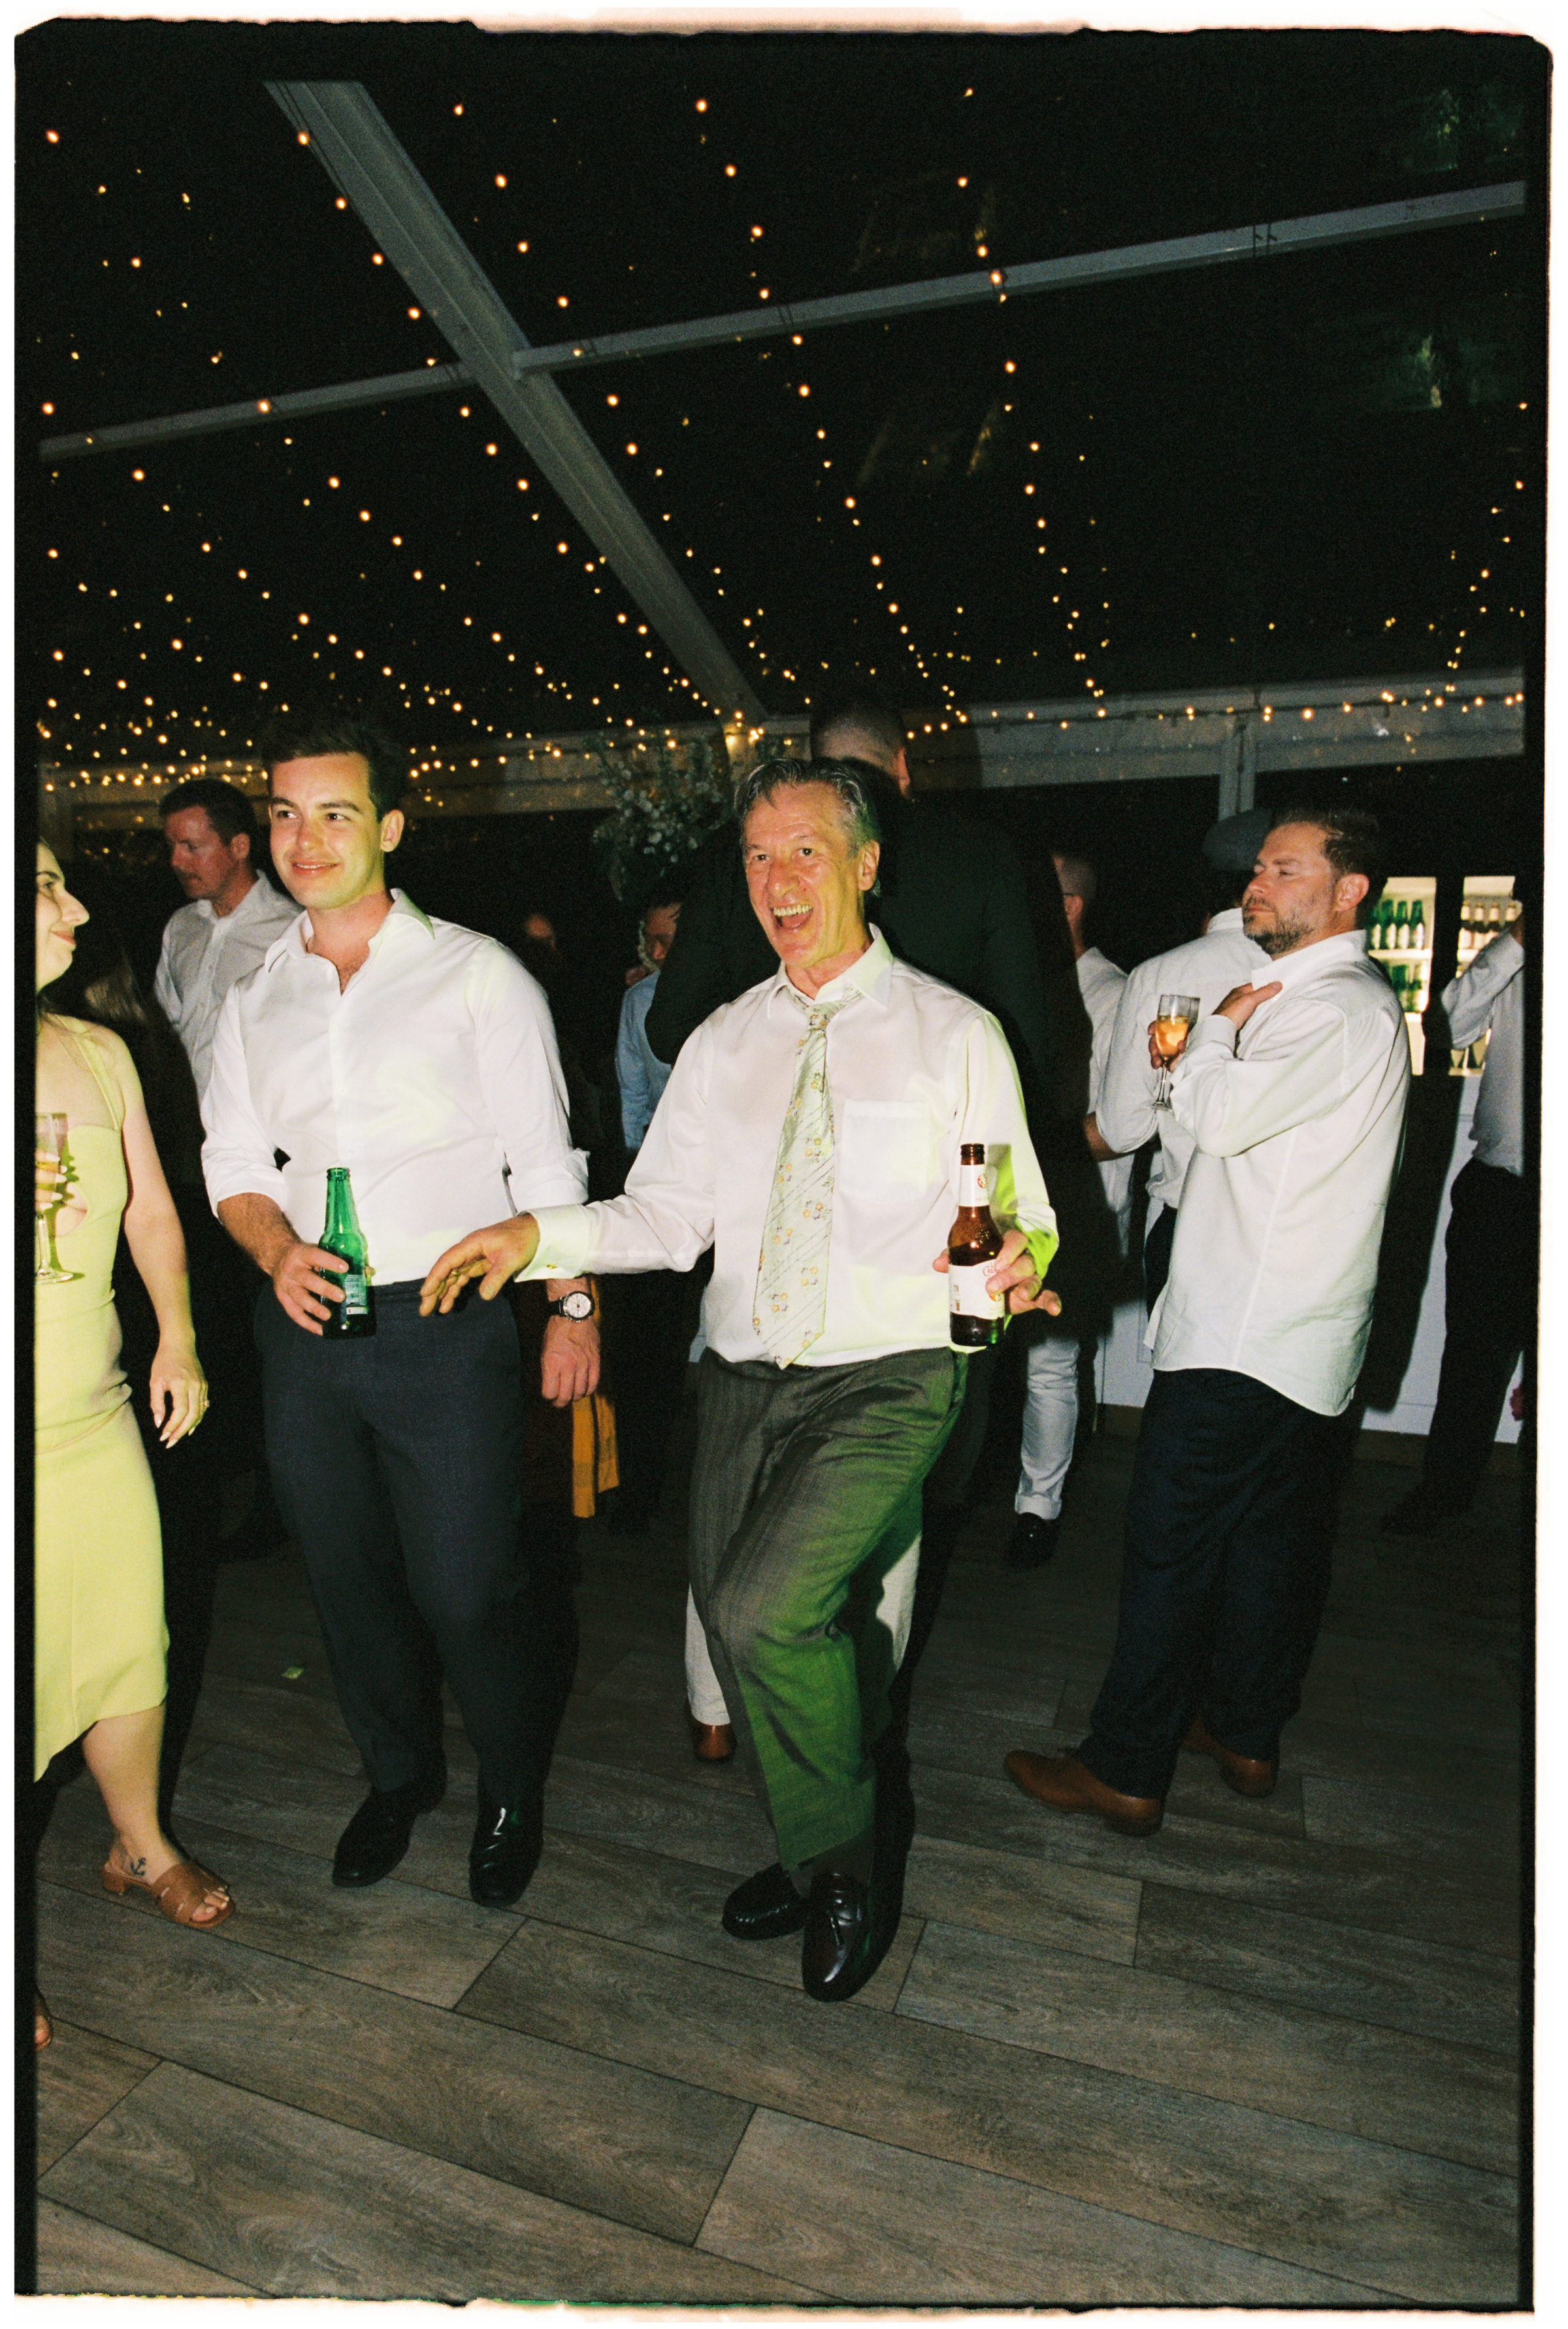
(810, 1132)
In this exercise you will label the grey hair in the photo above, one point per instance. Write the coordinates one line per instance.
(771, 776)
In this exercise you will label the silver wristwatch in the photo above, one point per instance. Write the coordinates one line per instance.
(577, 1306)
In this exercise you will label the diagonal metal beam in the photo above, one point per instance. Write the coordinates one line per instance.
(1322, 230)
(365, 162)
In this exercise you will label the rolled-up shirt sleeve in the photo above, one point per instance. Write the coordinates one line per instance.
(992, 1111)
(1470, 1000)
(664, 1220)
(1124, 1108)
(1300, 1064)
(522, 1086)
(237, 1156)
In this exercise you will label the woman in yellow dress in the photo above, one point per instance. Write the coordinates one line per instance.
(99, 1600)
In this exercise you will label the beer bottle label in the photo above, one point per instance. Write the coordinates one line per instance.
(355, 1302)
(967, 1294)
(973, 1187)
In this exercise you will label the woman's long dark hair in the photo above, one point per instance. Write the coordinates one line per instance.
(100, 985)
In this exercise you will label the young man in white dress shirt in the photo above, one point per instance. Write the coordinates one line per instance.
(1293, 1090)
(233, 916)
(810, 1132)
(421, 1056)
(1057, 1348)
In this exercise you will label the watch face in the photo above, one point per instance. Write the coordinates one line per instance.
(577, 1305)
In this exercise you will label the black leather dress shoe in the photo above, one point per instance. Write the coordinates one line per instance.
(764, 1907)
(508, 1839)
(1033, 1542)
(377, 1836)
(847, 1936)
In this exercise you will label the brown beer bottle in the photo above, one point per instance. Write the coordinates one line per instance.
(974, 1317)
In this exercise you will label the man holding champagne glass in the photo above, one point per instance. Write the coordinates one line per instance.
(1293, 1090)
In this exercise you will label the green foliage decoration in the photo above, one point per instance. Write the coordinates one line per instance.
(668, 797)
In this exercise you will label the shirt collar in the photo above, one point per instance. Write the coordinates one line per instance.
(291, 942)
(868, 974)
(1229, 917)
(1309, 962)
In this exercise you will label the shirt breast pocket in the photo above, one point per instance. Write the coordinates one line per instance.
(885, 1145)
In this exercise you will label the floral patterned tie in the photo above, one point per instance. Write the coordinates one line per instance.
(791, 1270)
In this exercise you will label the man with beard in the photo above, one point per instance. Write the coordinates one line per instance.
(1293, 1090)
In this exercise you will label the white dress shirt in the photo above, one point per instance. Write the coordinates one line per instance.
(203, 954)
(1297, 1125)
(433, 1076)
(1208, 967)
(1100, 983)
(640, 1074)
(1489, 993)
(914, 1070)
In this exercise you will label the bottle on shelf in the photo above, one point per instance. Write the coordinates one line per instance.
(343, 1236)
(1400, 926)
(1417, 927)
(974, 1317)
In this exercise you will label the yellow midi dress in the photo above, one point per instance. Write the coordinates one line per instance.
(99, 1640)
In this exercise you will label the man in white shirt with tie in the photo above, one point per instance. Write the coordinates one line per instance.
(421, 1056)
(810, 1132)
(1293, 1090)
(233, 916)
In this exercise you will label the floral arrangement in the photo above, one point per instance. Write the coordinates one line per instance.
(668, 797)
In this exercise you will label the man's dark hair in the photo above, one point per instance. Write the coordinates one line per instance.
(858, 728)
(1352, 842)
(862, 823)
(228, 810)
(311, 735)
(664, 894)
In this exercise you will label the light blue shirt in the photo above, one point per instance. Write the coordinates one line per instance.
(641, 1076)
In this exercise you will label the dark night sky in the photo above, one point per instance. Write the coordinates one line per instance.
(1307, 467)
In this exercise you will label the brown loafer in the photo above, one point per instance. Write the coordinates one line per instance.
(711, 1742)
(1064, 1783)
(1248, 1775)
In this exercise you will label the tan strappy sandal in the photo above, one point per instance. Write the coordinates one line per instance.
(179, 1893)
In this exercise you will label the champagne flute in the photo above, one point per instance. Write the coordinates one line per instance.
(1172, 1025)
(49, 1141)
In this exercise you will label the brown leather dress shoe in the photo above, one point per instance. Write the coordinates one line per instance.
(1064, 1783)
(711, 1742)
(1246, 1774)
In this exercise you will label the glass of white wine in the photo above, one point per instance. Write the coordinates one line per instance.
(48, 1140)
(1172, 1025)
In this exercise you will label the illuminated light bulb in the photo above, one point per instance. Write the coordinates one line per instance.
(729, 169)
(562, 301)
(136, 262)
(139, 475)
(365, 517)
(631, 449)
(763, 293)
(522, 246)
(52, 135)
(499, 179)
(332, 482)
(342, 204)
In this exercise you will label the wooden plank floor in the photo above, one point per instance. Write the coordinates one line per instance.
(1266, 2057)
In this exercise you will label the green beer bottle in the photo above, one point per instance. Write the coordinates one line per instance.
(343, 1236)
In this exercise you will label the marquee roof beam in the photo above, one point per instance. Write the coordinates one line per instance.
(356, 147)
(1324, 231)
